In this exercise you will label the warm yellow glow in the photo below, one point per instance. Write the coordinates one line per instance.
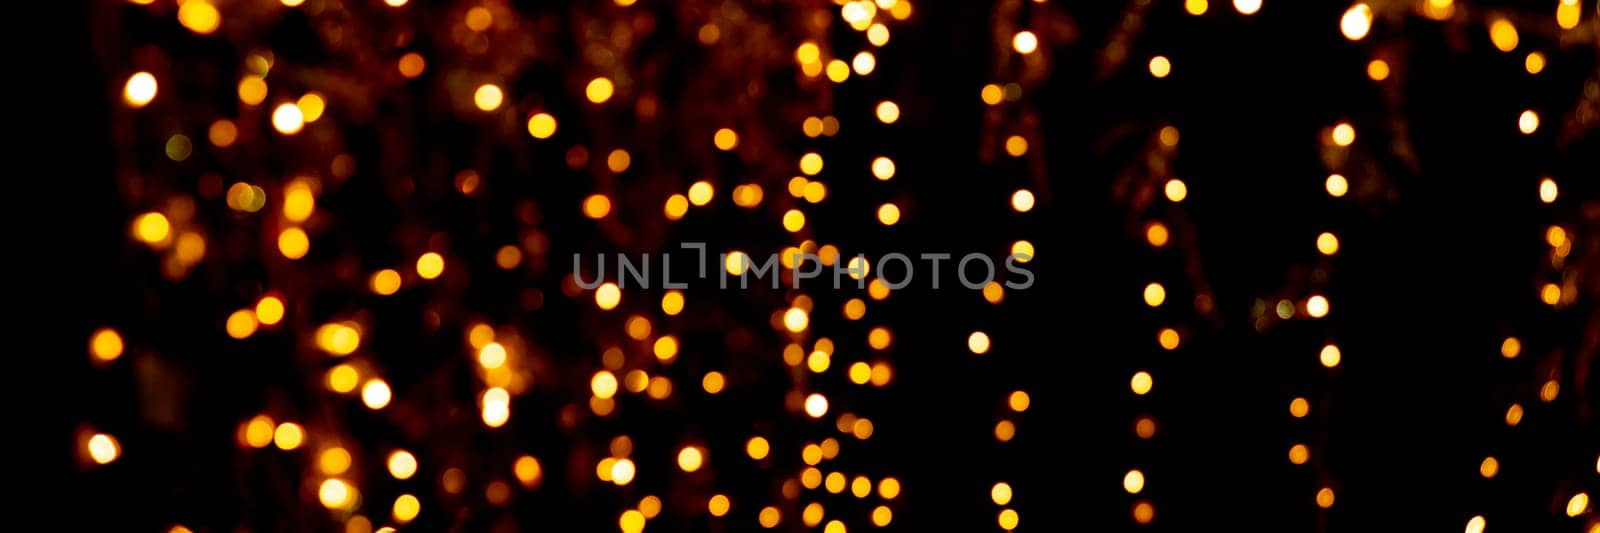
(375, 394)
(311, 106)
(293, 243)
(199, 16)
(479, 18)
(599, 90)
(1514, 415)
(1489, 467)
(1022, 200)
(1550, 294)
(818, 362)
(430, 265)
(259, 431)
(103, 448)
(863, 63)
(1143, 511)
(269, 310)
(333, 461)
(1548, 191)
(1247, 7)
(690, 458)
(1378, 70)
(288, 119)
(139, 90)
(992, 94)
(336, 494)
(816, 405)
(1325, 497)
(488, 97)
(604, 384)
(757, 448)
(888, 214)
(978, 342)
(1299, 407)
(1018, 401)
(1168, 338)
(1337, 185)
(1025, 42)
(252, 90)
(1176, 190)
(796, 319)
(1549, 391)
(1356, 22)
(492, 355)
(1154, 294)
(1196, 7)
(288, 436)
(769, 517)
(1578, 504)
(1344, 134)
(701, 192)
(385, 282)
(878, 34)
(241, 324)
(883, 168)
(542, 125)
(713, 382)
(618, 160)
(402, 465)
(1008, 519)
(1299, 454)
(1510, 348)
(1330, 356)
(1133, 481)
(838, 71)
(1476, 524)
(1503, 34)
(1160, 66)
(1317, 306)
(105, 344)
(411, 65)
(152, 228)
(596, 206)
(1156, 234)
(794, 220)
(1534, 63)
(1327, 243)
(1528, 122)
(665, 347)
(888, 112)
(1016, 145)
(622, 471)
(718, 505)
(1005, 430)
(889, 488)
(1567, 15)
(496, 407)
(994, 293)
(406, 508)
(1000, 493)
(1141, 383)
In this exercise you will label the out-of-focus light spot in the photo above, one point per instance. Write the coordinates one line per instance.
(888, 112)
(1337, 185)
(199, 16)
(1160, 66)
(1514, 415)
(757, 448)
(542, 125)
(718, 505)
(599, 90)
(1476, 524)
(596, 206)
(411, 65)
(496, 407)
(139, 90)
(1196, 7)
(1169, 338)
(1548, 191)
(1378, 70)
(1510, 348)
(179, 147)
(1528, 122)
(1578, 504)
(1018, 401)
(259, 431)
(816, 405)
(1133, 481)
(528, 471)
(622, 471)
(1567, 14)
(618, 160)
(269, 310)
(1247, 7)
(478, 18)
(241, 324)
(1005, 430)
(1550, 294)
(1141, 383)
(1503, 34)
(1000, 493)
(1156, 234)
(333, 461)
(103, 448)
(690, 458)
(769, 517)
(794, 220)
(701, 192)
(607, 296)
(1344, 134)
(385, 282)
(882, 515)
(1008, 519)
(1143, 512)
(1317, 306)
(713, 382)
(883, 168)
(288, 436)
(1549, 391)
(1356, 22)
(888, 214)
(978, 342)
(878, 34)
(1025, 42)
(889, 488)
(343, 378)
(406, 508)
(152, 228)
(375, 394)
(1325, 497)
(1016, 145)
(1330, 356)
(1022, 200)
(1534, 63)
(252, 90)
(604, 384)
(796, 319)
(725, 139)
(488, 97)
(863, 63)
(1176, 190)
(838, 71)
(311, 106)
(288, 119)
(1299, 407)
(105, 344)
(492, 355)
(293, 243)
(991, 94)
(1489, 467)
(430, 265)
(1154, 294)
(1327, 243)
(1299, 454)
(335, 494)
(222, 133)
